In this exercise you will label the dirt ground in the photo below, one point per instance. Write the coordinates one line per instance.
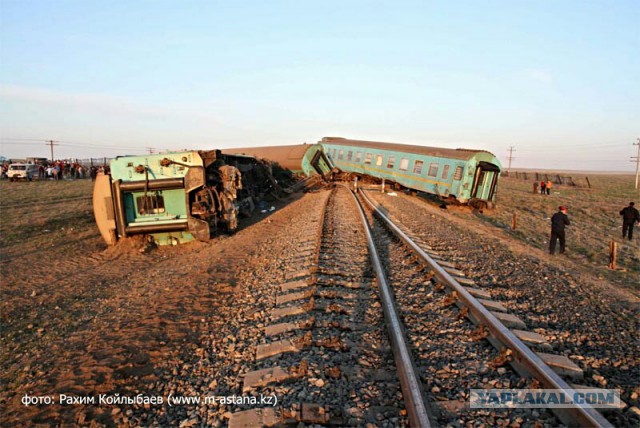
(82, 319)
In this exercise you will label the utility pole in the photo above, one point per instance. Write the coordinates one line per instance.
(510, 157)
(51, 143)
(151, 150)
(637, 159)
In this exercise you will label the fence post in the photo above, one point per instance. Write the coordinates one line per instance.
(588, 183)
(613, 254)
(514, 221)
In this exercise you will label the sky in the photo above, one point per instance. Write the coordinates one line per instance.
(559, 81)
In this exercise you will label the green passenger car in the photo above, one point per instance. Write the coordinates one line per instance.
(466, 176)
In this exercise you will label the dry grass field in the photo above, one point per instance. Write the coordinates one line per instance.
(594, 216)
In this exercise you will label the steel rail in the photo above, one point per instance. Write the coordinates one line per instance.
(409, 380)
(526, 359)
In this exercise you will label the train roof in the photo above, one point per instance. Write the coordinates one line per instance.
(407, 148)
(288, 157)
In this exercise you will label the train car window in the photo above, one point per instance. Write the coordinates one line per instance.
(368, 157)
(378, 160)
(445, 172)
(358, 156)
(457, 175)
(391, 162)
(404, 164)
(433, 170)
(333, 154)
(349, 155)
(417, 167)
(340, 154)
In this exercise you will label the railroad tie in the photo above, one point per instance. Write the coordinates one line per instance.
(532, 339)
(509, 320)
(264, 377)
(293, 285)
(267, 350)
(562, 365)
(262, 417)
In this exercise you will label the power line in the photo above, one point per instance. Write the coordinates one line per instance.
(62, 143)
(24, 139)
(21, 144)
(582, 146)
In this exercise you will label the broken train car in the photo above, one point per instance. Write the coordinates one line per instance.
(178, 197)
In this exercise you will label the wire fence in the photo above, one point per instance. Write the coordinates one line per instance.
(554, 178)
(98, 162)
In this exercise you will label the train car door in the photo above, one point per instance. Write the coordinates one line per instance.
(485, 181)
(321, 163)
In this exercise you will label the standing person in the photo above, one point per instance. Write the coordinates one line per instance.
(558, 222)
(630, 216)
(542, 186)
(549, 187)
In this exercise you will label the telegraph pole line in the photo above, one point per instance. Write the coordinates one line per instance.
(51, 143)
(637, 159)
(510, 157)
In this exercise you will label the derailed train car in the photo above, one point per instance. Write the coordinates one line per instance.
(177, 197)
(303, 159)
(461, 175)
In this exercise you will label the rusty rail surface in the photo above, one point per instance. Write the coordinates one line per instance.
(410, 383)
(527, 363)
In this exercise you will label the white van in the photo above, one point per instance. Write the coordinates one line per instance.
(22, 171)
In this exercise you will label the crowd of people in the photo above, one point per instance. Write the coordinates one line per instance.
(61, 169)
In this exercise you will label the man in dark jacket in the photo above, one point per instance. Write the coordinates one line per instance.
(558, 222)
(630, 216)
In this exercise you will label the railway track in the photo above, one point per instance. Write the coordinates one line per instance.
(324, 354)
(324, 360)
(584, 318)
(527, 352)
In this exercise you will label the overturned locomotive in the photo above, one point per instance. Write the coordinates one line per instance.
(178, 197)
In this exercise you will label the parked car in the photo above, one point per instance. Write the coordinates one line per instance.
(22, 171)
